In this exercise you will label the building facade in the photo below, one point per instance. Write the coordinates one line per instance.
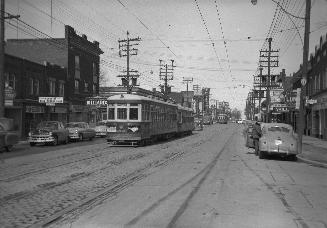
(59, 67)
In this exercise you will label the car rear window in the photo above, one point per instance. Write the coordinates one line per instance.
(279, 129)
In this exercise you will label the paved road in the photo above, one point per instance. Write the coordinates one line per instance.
(208, 179)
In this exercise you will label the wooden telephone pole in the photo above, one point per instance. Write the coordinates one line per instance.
(166, 74)
(2, 55)
(126, 50)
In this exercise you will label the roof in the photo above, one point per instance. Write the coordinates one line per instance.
(134, 97)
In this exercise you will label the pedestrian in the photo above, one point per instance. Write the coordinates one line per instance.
(256, 134)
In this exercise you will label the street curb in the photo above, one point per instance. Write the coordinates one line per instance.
(314, 163)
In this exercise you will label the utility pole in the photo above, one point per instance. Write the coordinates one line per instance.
(268, 62)
(2, 55)
(197, 97)
(187, 81)
(300, 123)
(126, 50)
(166, 74)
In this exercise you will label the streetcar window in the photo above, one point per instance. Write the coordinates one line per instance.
(111, 113)
(133, 113)
(122, 113)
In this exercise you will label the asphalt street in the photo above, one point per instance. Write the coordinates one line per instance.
(208, 179)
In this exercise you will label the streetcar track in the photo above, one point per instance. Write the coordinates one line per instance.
(205, 170)
(17, 177)
(102, 195)
(280, 196)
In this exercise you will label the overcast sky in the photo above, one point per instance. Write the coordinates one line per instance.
(216, 43)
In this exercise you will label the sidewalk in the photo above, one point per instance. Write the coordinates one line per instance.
(314, 151)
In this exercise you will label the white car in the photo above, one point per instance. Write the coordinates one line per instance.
(101, 129)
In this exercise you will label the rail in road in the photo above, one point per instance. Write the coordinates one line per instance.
(53, 201)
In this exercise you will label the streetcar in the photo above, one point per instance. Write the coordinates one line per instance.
(222, 118)
(138, 120)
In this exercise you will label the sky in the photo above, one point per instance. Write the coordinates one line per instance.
(214, 42)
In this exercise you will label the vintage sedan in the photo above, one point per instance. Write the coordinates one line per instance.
(80, 131)
(279, 139)
(49, 132)
(8, 137)
(101, 129)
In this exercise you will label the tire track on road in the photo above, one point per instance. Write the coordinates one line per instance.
(206, 170)
(280, 196)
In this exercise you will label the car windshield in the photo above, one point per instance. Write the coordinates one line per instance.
(49, 125)
(79, 125)
(279, 129)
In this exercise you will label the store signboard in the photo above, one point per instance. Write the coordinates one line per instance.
(96, 101)
(51, 101)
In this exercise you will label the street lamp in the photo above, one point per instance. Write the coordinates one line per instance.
(300, 123)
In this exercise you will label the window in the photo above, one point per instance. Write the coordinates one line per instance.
(324, 78)
(76, 86)
(122, 113)
(10, 80)
(94, 73)
(31, 86)
(94, 88)
(52, 86)
(133, 113)
(36, 85)
(77, 67)
(61, 89)
(86, 87)
(111, 113)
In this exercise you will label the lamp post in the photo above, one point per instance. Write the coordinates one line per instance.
(300, 122)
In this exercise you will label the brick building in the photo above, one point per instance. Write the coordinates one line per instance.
(74, 75)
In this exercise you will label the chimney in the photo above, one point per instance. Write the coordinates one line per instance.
(84, 36)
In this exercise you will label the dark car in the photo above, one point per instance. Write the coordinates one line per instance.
(49, 132)
(8, 137)
(80, 131)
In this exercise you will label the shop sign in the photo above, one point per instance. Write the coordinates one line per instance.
(51, 101)
(35, 109)
(276, 95)
(10, 94)
(96, 101)
(280, 109)
(311, 101)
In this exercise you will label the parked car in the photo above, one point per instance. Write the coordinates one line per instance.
(80, 131)
(49, 132)
(8, 137)
(101, 129)
(278, 138)
(248, 137)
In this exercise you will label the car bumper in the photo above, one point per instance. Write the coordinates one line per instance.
(73, 136)
(281, 152)
(40, 139)
(100, 133)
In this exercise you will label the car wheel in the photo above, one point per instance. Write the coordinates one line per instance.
(9, 148)
(91, 138)
(32, 143)
(55, 141)
(81, 138)
(66, 140)
(293, 157)
(261, 154)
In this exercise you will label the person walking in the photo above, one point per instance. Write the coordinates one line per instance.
(256, 134)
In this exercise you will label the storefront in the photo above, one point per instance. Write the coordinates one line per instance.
(319, 117)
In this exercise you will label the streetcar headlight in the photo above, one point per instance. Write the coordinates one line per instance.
(29, 134)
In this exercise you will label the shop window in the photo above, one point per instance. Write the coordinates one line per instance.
(122, 113)
(77, 67)
(94, 72)
(94, 88)
(133, 113)
(31, 86)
